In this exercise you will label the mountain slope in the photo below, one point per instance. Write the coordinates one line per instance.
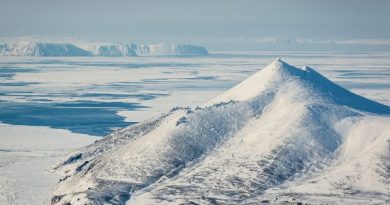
(269, 136)
(33, 48)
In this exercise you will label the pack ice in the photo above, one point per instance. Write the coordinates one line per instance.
(285, 133)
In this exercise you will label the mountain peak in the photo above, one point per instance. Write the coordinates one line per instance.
(304, 84)
(277, 72)
(280, 67)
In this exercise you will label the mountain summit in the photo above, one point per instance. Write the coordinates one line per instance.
(316, 87)
(282, 132)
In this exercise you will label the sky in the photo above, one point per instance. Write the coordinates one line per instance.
(185, 19)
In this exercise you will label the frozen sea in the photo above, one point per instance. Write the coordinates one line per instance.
(95, 95)
(49, 106)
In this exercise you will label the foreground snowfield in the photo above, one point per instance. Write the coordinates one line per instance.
(283, 133)
(26, 156)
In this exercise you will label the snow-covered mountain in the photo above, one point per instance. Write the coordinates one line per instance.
(120, 49)
(36, 48)
(107, 49)
(167, 50)
(283, 132)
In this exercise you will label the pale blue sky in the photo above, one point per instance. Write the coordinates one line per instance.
(113, 19)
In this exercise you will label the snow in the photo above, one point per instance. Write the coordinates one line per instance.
(283, 132)
(27, 155)
(355, 173)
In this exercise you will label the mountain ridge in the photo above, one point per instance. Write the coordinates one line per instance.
(41, 48)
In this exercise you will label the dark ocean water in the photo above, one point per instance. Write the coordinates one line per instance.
(87, 117)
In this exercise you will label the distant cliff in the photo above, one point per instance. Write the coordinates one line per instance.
(37, 48)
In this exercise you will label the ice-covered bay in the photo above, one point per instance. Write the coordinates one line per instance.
(121, 91)
(38, 91)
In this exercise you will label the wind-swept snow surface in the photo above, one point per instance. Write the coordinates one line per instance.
(26, 155)
(284, 132)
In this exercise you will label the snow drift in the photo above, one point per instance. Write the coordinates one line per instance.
(35, 48)
(282, 132)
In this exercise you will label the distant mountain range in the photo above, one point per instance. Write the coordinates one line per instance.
(40, 48)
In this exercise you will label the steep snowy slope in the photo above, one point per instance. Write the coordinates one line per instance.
(33, 48)
(282, 131)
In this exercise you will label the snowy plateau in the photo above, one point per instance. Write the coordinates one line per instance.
(285, 134)
(38, 48)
